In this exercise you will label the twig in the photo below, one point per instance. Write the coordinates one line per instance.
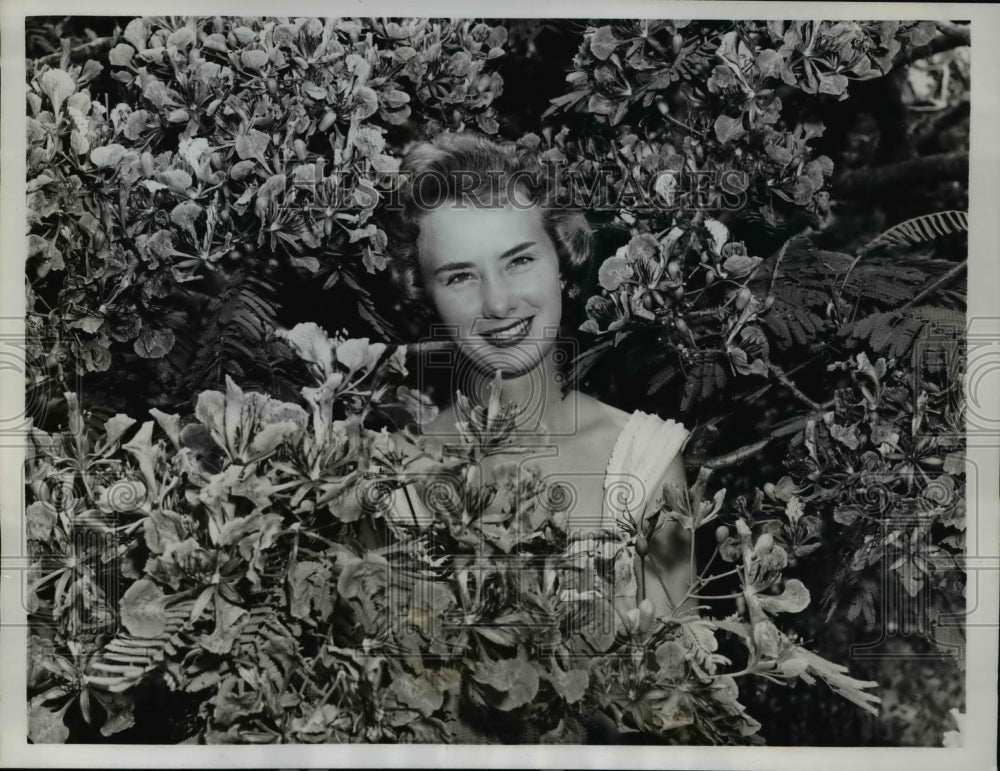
(936, 285)
(80, 52)
(775, 370)
(748, 451)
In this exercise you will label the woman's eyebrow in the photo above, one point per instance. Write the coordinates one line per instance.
(464, 265)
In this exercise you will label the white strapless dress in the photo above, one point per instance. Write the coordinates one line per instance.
(633, 480)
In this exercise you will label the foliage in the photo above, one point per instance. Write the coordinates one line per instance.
(234, 146)
(233, 529)
(191, 181)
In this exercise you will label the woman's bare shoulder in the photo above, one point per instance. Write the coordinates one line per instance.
(598, 414)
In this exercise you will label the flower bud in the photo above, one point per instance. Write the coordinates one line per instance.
(742, 528)
(647, 614)
(326, 121)
(743, 298)
(721, 533)
(709, 277)
(765, 542)
(641, 546)
(768, 302)
(682, 326)
(146, 162)
(300, 149)
(673, 269)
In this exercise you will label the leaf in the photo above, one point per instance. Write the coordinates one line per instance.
(365, 103)
(252, 145)
(309, 591)
(254, 59)
(794, 598)
(142, 609)
(603, 43)
(227, 627)
(163, 528)
(176, 179)
(153, 343)
(121, 55)
(418, 693)
(185, 214)
(57, 85)
(728, 129)
(137, 33)
(107, 156)
(516, 679)
(571, 685)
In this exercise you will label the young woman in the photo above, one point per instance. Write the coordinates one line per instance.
(479, 255)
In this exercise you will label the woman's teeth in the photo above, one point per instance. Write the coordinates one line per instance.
(509, 334)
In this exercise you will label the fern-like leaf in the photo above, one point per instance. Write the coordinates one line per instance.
(706, 376)
(894, 333)
(921, 229)
(236, 328)
(126, 659)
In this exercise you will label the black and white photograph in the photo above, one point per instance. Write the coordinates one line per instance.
(591, 379)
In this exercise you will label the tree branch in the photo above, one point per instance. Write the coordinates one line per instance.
(791, 426)
(952, 36)
(929, 169)
(75, 54)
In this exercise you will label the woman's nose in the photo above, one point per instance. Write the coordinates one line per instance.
(498, 299)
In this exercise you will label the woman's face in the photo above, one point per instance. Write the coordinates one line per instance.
(492, 275)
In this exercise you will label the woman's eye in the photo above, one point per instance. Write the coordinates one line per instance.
(522, 260)
(458, 278)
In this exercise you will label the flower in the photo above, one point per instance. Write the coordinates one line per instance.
(613, 272)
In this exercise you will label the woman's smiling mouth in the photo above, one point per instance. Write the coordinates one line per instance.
(509, 334)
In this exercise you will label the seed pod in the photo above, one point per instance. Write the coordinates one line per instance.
(300, 149)
(721, 533)
(641, 545)
(326, 121)
(743, 298)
